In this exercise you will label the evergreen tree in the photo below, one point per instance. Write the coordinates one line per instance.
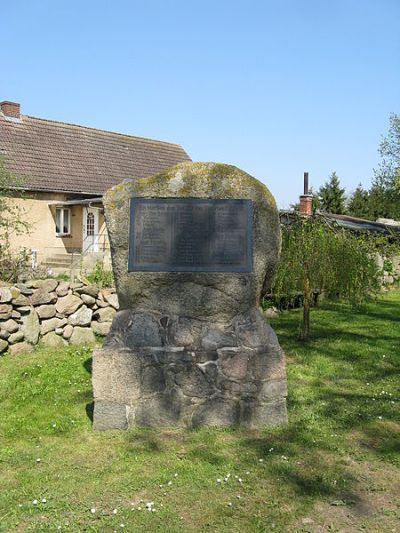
(332, 197)
(359, 203)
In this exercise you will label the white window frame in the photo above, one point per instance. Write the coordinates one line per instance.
(62, 211)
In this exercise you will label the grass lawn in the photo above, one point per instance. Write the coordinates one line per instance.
(335, 467)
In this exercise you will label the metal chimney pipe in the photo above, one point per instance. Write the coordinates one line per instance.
(305, 182)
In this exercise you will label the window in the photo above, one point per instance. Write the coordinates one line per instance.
(63, 221)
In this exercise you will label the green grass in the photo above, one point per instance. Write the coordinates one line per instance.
(336, 465)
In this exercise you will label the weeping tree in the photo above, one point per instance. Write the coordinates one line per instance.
(323, 258)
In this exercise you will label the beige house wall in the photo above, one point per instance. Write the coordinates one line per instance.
(40, 217)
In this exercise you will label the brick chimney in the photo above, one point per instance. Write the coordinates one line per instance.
(10, 109)
(306, 200)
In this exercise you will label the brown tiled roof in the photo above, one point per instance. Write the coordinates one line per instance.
(55, 156)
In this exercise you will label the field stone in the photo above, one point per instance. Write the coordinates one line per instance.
(105, 314)
(5, 295)
(5, 316)
(21, 301)
(81, 317)
(101, 328)
(46, 311)
(52, 324)
(88, 300)
(62, 289)
(20, 347)
(67, 331)
(5, 308)
(201, 337)
(3, 345)
(24, 289)
(67, 305)
(53, 340)
(102, 303)
(41, 297)
(91, 290)
(59, 331)
(15, 314)
(18, 336)
(31, 327)
(10, 325)
(82, 335)
(112, 299)
(4, 334)
(24, 309)
(47, 285)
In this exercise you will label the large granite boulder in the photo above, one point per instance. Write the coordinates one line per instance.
(191, 348)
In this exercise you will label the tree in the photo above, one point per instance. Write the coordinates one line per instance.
(384, 195)
(317, 257)
(359, 203)
(11, 223)
(332, 197)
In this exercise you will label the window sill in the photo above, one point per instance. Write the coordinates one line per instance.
(64, 235)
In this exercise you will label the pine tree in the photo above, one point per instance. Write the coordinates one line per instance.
(332, 197)
(359, 203)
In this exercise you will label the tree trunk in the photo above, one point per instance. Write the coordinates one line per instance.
(305, 333)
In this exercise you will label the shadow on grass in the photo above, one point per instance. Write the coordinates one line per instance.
(88, 365)
(89, 410)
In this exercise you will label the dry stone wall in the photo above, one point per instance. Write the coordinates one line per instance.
(53, 312)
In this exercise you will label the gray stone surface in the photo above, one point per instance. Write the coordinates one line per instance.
(112, 299)
(46, 311)
(82, 336)
(190, 348)
(21, 301)
(67, 305)
(47, 285)
(53, 340)
(81, 317)
(5, 295)
(105, 314)
(20, 347)
(67, 331)
(62, 289)
(3, 345)
(10, 325)
(31, 327)
(51, 324)
(18, 336)
(41, 297)
(88, 300)
(101, 328)
(91, 290)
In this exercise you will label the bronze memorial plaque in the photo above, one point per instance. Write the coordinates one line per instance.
(190, 235)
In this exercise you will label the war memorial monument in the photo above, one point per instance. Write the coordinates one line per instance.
(192, 248)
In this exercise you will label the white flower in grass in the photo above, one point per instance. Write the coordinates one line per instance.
(247, 473)
(230, 504)
(38, 460)
(44, 500)
(260, 460)
(93, 510)
(219, 480)
(175, 475)
(169, 483)
(35, 502)
(122, 525)
(54, 425)
(115, 511)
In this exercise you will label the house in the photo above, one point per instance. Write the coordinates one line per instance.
(65, 170)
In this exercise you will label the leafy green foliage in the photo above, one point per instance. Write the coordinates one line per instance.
(331, 196)
(100, 276)
(358, 205)
(320, 258)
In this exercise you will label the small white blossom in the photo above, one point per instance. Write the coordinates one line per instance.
(115, 511)
(44, 500)
(35, 502)
(38, 460)
(93, 510)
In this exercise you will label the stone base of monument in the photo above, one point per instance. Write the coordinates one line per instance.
(189, 373)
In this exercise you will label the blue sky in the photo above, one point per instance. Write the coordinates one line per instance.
(274, 87)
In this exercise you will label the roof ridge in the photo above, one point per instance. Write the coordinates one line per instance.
(108, 132)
